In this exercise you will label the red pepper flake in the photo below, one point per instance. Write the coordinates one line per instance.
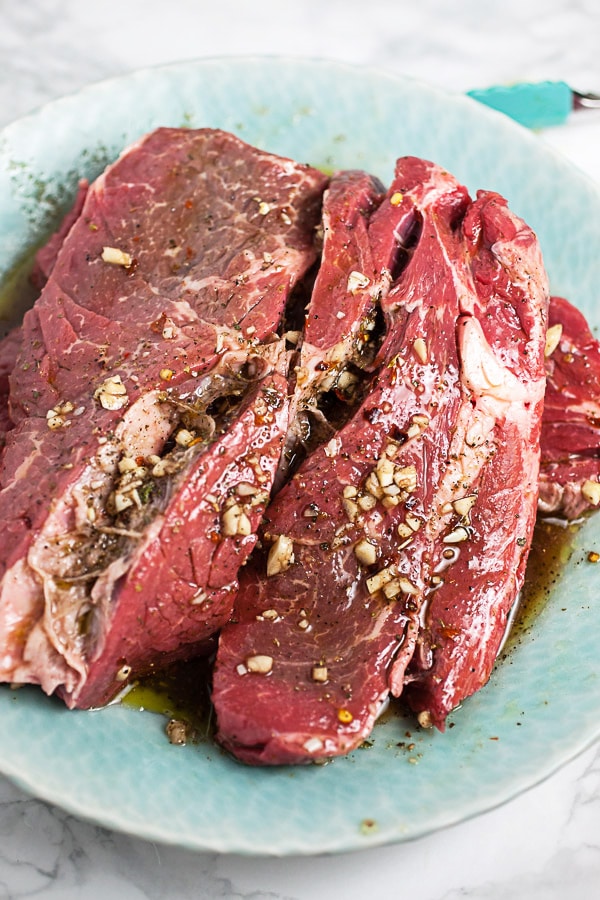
(158, 325)
(448, 631)
(345, 716)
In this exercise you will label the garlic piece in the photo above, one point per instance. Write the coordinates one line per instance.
(259, 664)
(464, 505)
(553, 336)
(591, 491)
(112, 393)
(116, 257)
(406, 478)
(365, 552)
(281, 555)
(357, 282)
(420, 348)
(460, 534)
(319, 674)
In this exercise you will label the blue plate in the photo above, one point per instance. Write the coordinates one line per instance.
(542, 705)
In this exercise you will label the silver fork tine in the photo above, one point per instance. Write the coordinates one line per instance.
(585, 101)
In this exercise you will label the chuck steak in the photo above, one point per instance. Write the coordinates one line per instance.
(327, 616)
(571, 421)
(338, 339)
(343, 299)
(491, 483)
(149, 403)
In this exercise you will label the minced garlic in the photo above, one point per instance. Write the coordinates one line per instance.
(116, 257)
(357, 282)
(281, 555)
(112, 393)
(259, 664)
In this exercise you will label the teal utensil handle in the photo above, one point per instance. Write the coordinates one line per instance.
(534, 105)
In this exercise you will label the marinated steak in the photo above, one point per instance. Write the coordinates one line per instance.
(339, 339)
(491, 483)
(445, 451)
(327, 616)
(149, 404)
(571, 420)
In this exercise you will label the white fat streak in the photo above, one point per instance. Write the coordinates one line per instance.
(498, 391)
(196, 285)
(56, 623)
(145, 426)
(585, 409)
(506, 401)
(523, 260)
(429, 192)
(21, 474)
(482, 372)
(255, 268)
(19, 597)
(404, 656)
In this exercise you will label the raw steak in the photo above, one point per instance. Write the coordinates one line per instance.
(147, 382)
(327, 616)
(338, 339)
(491, 483)
(571, 421)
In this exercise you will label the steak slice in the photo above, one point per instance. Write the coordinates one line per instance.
(571, 422)
(327, 616)
(181, 552)
(141, 386)
(338, 340)
(491, 483)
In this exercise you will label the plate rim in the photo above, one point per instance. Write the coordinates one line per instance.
(498, 120)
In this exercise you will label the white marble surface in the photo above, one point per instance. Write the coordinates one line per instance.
(544, 845)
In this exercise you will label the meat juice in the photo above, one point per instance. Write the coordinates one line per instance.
(551, 550)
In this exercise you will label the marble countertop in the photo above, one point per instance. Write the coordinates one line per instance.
(543, 845)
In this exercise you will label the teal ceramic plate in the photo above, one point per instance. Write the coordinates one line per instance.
(542, 705)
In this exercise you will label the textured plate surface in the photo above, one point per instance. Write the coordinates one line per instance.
(542, 705)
